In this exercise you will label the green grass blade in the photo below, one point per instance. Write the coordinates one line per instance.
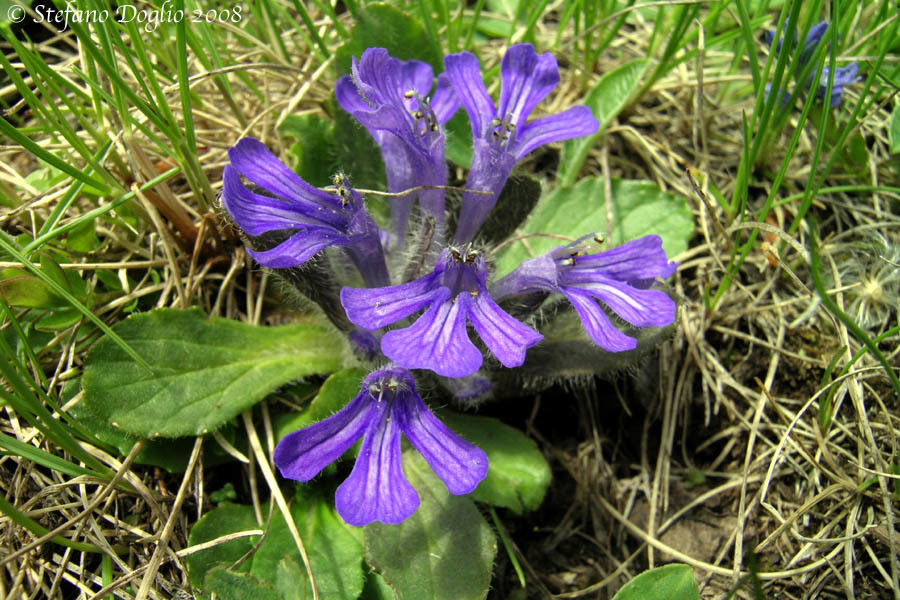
(13, 446)
(9, 246)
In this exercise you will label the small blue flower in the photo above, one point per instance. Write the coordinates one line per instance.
(815, 35)
(316, 219)
(454, 293)
(501, 135)
(619, 278)
(843, 76)
(387, 406)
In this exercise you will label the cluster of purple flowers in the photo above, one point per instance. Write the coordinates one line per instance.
(393, 100)
(843, 76)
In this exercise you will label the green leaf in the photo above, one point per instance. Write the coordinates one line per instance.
(894, 134)
(224, 520)
(58, 319)
(494, 28)
(83, 237)
(5, 5)
(204, 371)
(19, 289)
(335, 554)
(287, 574)
(376, 588)
(385, 26)
(611, 94)
(458, 145)
(639, 208)
(509, 8)
(671, 582)
(229, 585)
(445, 550)
(314, 152)
(567, 352)
(518, 474)
(171, 455)
(337, 391)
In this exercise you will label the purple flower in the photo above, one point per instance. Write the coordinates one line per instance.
(619, 278)
(454, 293)
(501, 135)
(388, 97)
(843, 76)
(316, 218)
(377, 490)
(815, 35)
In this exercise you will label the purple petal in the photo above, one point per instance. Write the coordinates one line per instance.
(488, 173)
(597, 324)
(459, 464)
(377, 489)
(505, 337)
(302, 454)
(257, 214)
(526, 80)
(376, 307)
(445, 102)
(643, 258)
(846, 75)
(415, 75)
(641, 308)
(532, 275)
(253, 160)
(437, 340)
(815, 35)
(464, 73)
(577, 121)
(347, 95)
(299, 248)
(842, 76)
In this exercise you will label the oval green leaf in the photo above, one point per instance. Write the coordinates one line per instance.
(205, 371)
(444, 551)
(518, 474)
(335, 554)
(671, 582)
(638, 208)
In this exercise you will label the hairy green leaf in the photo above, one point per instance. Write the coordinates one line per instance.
(566, 350)
(231, 585)
(638, 208)
(518, 474)
(315, 151)
(335, 553)
(445, 550)
(205, 371)
(385, 26)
